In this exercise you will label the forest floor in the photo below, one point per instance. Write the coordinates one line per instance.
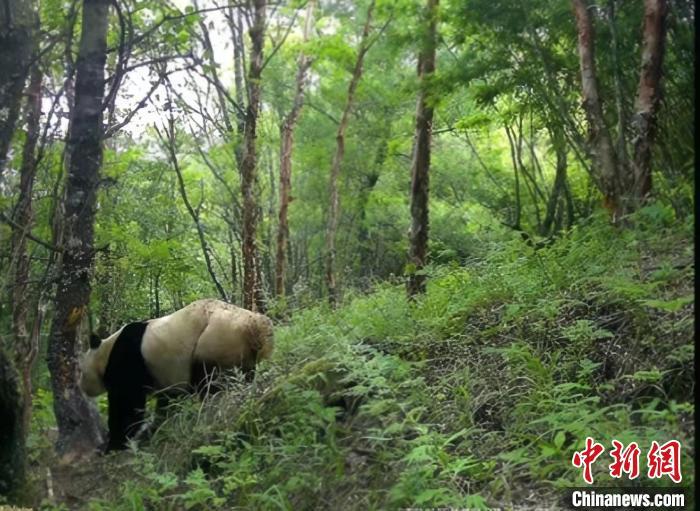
(476, 395)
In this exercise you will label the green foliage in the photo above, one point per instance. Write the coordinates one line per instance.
(43, 421)
(485, 385)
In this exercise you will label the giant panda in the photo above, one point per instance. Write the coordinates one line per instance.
(176, 351)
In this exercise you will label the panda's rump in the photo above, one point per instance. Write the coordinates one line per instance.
(225, 340)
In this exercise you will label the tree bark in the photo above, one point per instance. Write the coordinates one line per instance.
(26, 345)
(648, 95)
(286, 147)
(420, 168)
(600, 141)
(17, 31)
(252, 287)
(12, 446)
(17, 26)
(77, 418)
(334, 205)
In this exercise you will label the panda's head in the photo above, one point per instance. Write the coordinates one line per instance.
(92, 366)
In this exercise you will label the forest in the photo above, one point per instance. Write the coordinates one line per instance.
(469, 222)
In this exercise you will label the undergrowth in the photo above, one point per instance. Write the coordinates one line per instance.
(475, 395)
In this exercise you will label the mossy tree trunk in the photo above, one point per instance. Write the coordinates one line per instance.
(648, 96)
(77, 418)
(420, 168)
(252, 285)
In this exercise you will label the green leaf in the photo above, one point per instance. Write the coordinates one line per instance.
(559, 439)
(670, 305)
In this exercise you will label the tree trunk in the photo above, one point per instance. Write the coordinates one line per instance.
(648, 95)
(286, 148)
(12, 434)
(252, 287)
(17, 25)
(515, 222)
(621, 142)
(601, 145)
(420, 168)
(236, 28)
(168, 139)
(209, 55)
(77, 418)
(25, 344)
(334, 205)
(554, 204)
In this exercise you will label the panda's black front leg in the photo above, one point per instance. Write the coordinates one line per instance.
(127, 380)
(126, 414)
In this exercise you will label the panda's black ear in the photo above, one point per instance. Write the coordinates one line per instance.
(95, 341)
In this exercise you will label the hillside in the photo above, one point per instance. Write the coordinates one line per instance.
(475, 395)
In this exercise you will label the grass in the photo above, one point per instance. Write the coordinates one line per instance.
(475, 395)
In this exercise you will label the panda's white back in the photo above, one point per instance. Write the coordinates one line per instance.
(169, 343)
(209, 331)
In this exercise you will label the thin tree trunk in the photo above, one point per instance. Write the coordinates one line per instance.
(17, 26)
(558, 188)
(570, 213)
(529, 178)
(252, 290)
(420, 168)
(169, 143)
(648, 95)
(286, 147)
(515, 224)
(599, 137)
(269, 253)
(25, 343)
(619, 93)
(233, 239)
(334, 205)
(77, 418)
(209, 55)
(236, 27)
(58, 190)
